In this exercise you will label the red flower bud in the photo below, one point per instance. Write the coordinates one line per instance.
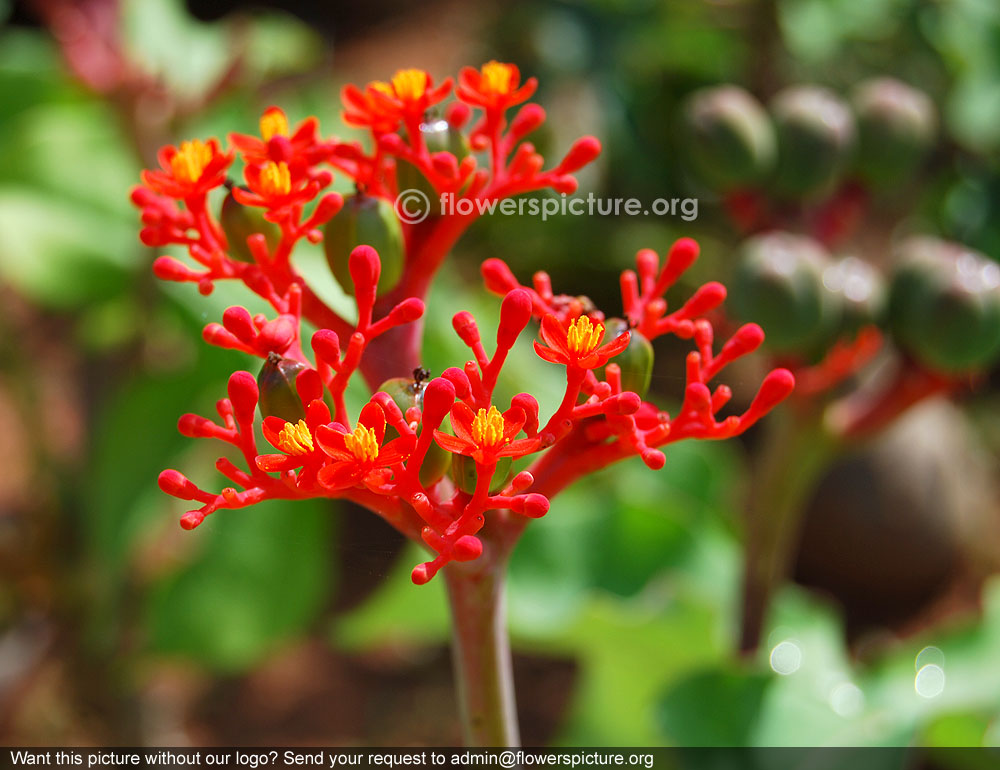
(439, 395)
(466, 328)
(529, 118)
(365, 268)
(458, 378)
(177, 484)
(278, 335)
(584, 150)
(467, 548)
(326, 345)
(243, 395)
(237, 320)
(515, 312)
(408, 310)
(498, 277)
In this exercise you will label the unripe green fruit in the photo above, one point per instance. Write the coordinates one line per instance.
(408, 393)
(438, 136)
(816, 135)
(897, 125)
(636, 361)
(276, 382)
(368, 221)
(728, 136)
(861, 291)
(463, 473)
(239, 222)
(778, 283)
(944, 305)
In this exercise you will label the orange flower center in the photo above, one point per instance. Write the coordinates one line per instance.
(498, 78)
(410, 85)
(273, 123)
(275, 179)
(583, 336)
(190, 160)
(295, 439)
(487, 428)
(362, 443)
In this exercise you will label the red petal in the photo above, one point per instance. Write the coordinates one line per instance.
(461, 421)
(513, 419)
(452, 444)
(520, 447)
(373, 417)
(554, 334)
(550, 355)
(277, 463)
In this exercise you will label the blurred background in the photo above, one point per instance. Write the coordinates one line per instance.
(298, 624)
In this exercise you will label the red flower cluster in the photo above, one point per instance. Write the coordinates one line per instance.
(319, 449)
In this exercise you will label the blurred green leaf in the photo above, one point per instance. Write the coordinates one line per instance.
(261, 577)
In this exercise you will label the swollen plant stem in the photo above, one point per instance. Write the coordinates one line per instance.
(797, 449)
(481, 653)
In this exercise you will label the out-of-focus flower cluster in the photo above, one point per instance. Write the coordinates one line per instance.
(397, 456)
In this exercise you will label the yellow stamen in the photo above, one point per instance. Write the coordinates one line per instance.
(488, 428)
(498, 78)
(362, 443)
(273, 123)
(275, 179)
(410, 85)
(295, 439)
(190, 161)
(382, 87)
(583, 336)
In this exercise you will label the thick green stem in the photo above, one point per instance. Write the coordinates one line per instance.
(797, 448)
(480, 645)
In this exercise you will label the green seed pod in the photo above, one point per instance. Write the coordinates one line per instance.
(897, 126)
(369, 221)
(815, 138)
(438, 136)
(861, 291)
(239, 222)
(778, 283)
(276, 382)
(408, 393)
(728, 136)
(636, 361)
(463, 473)
(944, 305)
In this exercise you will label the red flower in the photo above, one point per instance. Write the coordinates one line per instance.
(494, 87)
(299, 150)
(296, 441)
(578, 345)
(486, 436)
(363, 110)
(190, 170)
(359, 455)
(410, 94)
(272, 186)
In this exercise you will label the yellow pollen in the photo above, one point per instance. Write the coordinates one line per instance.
(362, 443)
(295, 439)
(409, 85)
(583, 336)
(273, 123)
(487, 428)
(275, 179)
(190, 161)
(498, 78)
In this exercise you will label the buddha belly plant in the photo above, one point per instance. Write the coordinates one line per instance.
(445, 485)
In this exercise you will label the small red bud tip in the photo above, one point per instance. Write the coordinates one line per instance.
(522, 481)
(243, 394)
(421, 574)
(278, 335)
(170, 269)
(177, 484)
(680, 257)
(458, 378)
(583, 151)
(535, 505)
(195, 426)
(365, 267)
(326, 345)
(775, 388)
(654, 459)
(444, 163)
(237, 320)
(530, 117)
(457, 114)
(627, 402)
(308, 385)
(327, 207)
(392, 143)
(749, 336)
(466, 328)
(439, 395)
(192, 519)
(498, 277)
(408, 310)
(467, 548)
(707, 298)
(515, 312)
